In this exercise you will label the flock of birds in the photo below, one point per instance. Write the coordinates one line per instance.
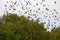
(34, 10)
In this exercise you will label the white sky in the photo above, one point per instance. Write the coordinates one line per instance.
(51, 7)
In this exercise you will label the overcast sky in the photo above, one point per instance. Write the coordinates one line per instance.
(50, 4)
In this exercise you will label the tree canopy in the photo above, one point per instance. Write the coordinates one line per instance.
(14, 27)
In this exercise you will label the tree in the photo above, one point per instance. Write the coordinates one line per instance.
(55, 33)
(14, 27)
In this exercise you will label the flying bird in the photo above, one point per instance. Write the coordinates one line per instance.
(5, 5)
(43, 0)
(29, 2)
(55, 2)
(47, 9)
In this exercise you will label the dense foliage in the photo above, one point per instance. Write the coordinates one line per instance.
(14, 27)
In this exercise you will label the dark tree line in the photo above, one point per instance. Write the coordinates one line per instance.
(14, 27)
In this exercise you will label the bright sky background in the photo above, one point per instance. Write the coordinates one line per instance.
(51, 7)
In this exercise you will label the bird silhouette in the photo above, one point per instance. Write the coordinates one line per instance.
(43, 0)
(37, 9)
(55, 2)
